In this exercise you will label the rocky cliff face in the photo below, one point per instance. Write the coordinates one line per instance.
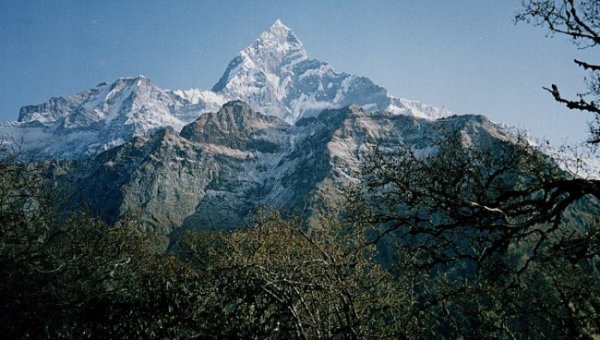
(237, 126)
(226, 163)
(159, 178)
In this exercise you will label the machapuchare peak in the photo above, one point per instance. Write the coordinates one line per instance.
(274, 75)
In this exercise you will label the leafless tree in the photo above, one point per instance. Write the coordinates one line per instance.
(580, 21)
(498, 240)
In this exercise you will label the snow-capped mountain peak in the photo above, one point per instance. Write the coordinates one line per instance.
(263, 72)
(274, 75)
(105, 116)
(278, 46)
(134, 101)
(271, 55)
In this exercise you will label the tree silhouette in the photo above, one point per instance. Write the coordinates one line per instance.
(579, 20)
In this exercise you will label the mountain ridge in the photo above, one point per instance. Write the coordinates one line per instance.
(303, 170)
(274, 75)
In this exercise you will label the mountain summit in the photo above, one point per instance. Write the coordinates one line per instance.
(262, 72)
(274, 75)
(273, 53)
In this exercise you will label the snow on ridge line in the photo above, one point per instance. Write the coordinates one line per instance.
(273, 75)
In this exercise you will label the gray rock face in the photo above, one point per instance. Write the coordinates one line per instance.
(237, 126)
(172, 180)
(160, 177)
(226, 163)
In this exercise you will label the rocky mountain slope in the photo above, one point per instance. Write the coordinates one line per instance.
(226, 163)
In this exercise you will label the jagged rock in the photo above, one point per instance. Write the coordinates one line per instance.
(215, 173)
(237, 126)
(160, 178)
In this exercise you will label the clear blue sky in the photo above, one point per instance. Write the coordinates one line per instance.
(466, 55)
